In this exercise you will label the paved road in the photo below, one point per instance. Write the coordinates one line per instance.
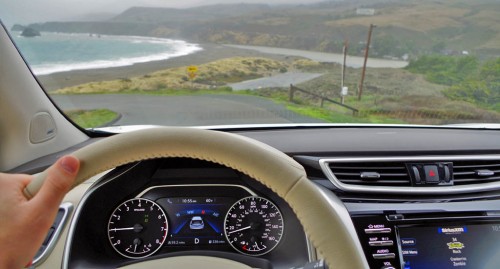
(185, 110)
(352, 61)
(280, 80)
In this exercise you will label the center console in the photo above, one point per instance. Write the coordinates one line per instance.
(426, 240)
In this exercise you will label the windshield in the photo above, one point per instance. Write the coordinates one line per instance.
(217, 62)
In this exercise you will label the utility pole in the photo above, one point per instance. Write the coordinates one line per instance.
(344, 50)
(366, 59)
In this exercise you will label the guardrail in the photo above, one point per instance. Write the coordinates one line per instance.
(294, 89)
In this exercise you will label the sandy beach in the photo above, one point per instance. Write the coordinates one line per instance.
(210, 52)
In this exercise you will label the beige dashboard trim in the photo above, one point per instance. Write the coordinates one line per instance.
(189, 262)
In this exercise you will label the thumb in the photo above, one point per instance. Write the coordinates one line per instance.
(59, 180)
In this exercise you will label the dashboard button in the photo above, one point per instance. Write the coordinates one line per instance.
(383, 256)
(431, 174)
(447, 174)
(416, 174)
(378, 231)
(395, 217)
(381, 243)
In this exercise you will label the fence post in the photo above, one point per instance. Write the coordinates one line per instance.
(322, 102)
(290, 94)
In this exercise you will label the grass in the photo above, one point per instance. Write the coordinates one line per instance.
(323, 114)
(209, 75)
(91, 118)
(310, 108)
(335, 114)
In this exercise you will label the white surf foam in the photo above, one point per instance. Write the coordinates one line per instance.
(175, 48)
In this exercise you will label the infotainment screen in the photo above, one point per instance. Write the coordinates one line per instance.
(475, 246)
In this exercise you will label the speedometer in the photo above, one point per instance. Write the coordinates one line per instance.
(137, 228)
(253, 226)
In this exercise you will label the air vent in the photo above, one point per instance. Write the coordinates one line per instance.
(371, 173)
(53, 234)
(414, 175)
(475, 172)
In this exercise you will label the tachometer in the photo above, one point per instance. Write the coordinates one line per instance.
(253, 226)
(137, 228)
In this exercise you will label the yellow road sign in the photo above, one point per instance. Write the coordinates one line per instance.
(192, 69)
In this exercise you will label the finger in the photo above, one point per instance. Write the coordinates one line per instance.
(34, 186)
(59, 179)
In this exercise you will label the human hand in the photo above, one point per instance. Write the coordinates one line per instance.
(24, 223)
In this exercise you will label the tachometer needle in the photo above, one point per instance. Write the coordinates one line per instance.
(242, 229)
(121, 229)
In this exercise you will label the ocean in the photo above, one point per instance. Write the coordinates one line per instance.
(58, 52)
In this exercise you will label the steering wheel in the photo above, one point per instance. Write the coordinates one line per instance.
(323, 216)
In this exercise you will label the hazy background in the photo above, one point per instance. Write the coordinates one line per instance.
(32, 11)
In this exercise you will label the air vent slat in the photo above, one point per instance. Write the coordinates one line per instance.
(475, 166)
(336, 166)
(497, 177)
(476, 172)
(348, 174)
(395, 175)
(381, 174)
(376, 182)
(474, 181)
(371, 174)
(463, 173)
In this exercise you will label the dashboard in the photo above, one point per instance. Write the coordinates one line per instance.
(168, 207)
(417, 198)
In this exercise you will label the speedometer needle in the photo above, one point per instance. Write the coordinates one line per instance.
(242, 229)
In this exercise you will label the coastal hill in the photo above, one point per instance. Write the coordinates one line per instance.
(187, 16)
(429, 26)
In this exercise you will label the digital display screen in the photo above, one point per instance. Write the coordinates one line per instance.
(196, 220)
(475, 246)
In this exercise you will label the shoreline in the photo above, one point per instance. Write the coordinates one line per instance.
(209, 53)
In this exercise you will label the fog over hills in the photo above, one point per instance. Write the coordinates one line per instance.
(402, 27)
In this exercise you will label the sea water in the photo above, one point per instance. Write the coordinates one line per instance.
(59, 52)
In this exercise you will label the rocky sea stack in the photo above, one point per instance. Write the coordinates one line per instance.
(30, 32)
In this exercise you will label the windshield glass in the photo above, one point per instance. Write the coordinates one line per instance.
(217, 62)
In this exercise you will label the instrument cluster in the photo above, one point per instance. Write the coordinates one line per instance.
(177, 216)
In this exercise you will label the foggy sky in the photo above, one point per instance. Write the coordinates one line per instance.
(31, 11)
